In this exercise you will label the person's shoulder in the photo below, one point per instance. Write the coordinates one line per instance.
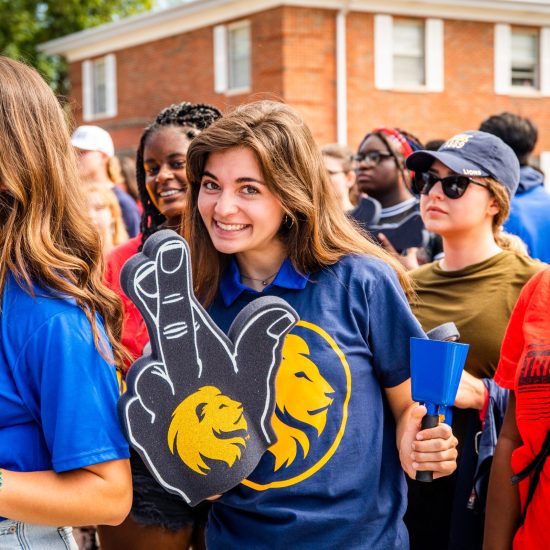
(422, 271)
(363, 263)
(540, 279)
(362, 269)
(522, 264)
(28, 311)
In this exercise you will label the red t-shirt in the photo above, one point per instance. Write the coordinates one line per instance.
(525, 368)
(134, 331)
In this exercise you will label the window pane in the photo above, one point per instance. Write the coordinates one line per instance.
(525, 54)
(408, 53)
(408, 38)
(99, 87)
(239, 57)
(408, 71)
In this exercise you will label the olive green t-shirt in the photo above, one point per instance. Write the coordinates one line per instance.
(478, 299)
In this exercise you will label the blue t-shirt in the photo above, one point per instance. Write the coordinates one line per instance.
(58, 395)
(333, 479)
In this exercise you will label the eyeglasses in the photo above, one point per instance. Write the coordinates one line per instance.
(453, 186)
(376, 157)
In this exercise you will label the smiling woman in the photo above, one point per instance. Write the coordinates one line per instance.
(262, 219)
(158, 519)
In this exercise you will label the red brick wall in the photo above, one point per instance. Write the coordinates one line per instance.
(467, 99)
(180, 68)
(310, 68)
(293, 58)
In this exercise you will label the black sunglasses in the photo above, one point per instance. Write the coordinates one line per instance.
(371, 156)
(453, 186)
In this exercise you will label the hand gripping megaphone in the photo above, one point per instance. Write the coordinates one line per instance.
(436, 368)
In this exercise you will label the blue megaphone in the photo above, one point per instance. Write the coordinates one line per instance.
(436, 368)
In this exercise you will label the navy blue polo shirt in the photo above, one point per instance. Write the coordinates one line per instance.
(333, 478)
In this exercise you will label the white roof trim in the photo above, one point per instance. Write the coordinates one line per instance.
(151, 26)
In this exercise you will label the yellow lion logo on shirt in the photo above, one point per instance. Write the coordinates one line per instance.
(302, 393)
(200, 427)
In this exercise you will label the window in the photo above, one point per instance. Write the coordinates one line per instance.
(232, 58)
(99, 90)
(408, 54)
(522, 60)
(525, 58)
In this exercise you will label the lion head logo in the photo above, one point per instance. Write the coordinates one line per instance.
(302, 393)
(205, 425)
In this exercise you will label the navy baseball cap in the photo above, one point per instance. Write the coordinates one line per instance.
(473, 153)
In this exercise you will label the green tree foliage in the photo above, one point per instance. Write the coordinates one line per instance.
(26, 23)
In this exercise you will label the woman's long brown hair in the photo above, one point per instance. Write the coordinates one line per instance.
(45, 235)
(317, 233)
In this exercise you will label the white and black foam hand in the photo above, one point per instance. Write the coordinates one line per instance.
(198, 408)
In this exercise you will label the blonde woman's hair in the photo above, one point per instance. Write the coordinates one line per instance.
(504, 240)
(109, 200)
(315, 230)
(114, 170)
(45, 237)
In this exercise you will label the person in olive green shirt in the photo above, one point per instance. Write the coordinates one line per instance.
(465, 190)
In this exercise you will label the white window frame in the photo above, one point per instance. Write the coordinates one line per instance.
(88, 90)
(222, 59)
(503, 64)
(434, 70)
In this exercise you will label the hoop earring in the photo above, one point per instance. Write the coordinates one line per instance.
(288, 222)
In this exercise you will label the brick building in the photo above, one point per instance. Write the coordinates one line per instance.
(431, 67)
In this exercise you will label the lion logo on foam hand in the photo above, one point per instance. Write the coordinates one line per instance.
(200, 427)
(302, 393)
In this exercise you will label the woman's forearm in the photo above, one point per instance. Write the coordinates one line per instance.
(98, 494)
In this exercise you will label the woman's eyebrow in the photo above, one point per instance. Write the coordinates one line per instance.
(246, 179)
(209, 174)
(243, 179)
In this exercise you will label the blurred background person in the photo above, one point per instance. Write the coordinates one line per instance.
(97, 165)
(530, 209)
(383, 175)
(339, 164)
(105, 213)
(434, 144)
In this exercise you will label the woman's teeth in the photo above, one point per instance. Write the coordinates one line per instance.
(231, 226)
(170, 193)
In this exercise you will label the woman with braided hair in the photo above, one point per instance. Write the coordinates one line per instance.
(162, 186)
(158, 519)
(383, 175)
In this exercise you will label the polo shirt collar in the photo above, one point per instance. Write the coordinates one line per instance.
(287, 277)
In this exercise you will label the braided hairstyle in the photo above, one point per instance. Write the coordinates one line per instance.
(405, 144)
(191, 118)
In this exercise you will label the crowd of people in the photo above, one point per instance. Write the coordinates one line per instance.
(370, 247)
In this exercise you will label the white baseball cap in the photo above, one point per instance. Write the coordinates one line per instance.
(93, 138)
